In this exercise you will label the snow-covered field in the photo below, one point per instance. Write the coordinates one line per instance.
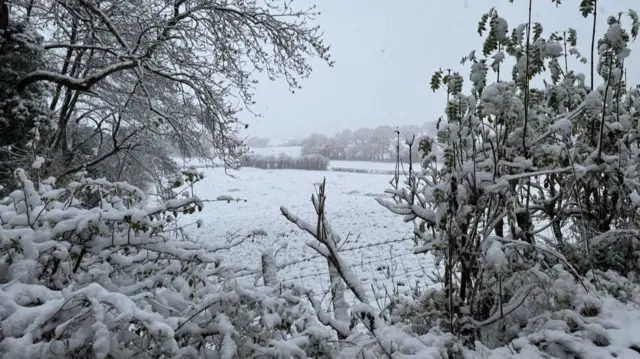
(378, 246)
(364, 165)
(295, 152)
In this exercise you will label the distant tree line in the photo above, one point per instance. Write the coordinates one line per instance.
(283, 161)
(263, 142)
(257, 142)
(292, 143)
(369, 144)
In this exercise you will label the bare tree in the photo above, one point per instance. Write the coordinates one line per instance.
(176, 69)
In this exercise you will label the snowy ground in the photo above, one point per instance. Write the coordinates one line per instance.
(378, 246)
(364, 165)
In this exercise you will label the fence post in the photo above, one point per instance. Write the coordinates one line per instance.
(269, 268)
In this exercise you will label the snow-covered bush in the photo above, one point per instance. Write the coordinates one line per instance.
(24, 115)
(360, 329)
(363, 170)
(558, 315)
(93, 270)
(284, 161)
(538, 187)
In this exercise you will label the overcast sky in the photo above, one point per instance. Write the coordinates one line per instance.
(385, 53)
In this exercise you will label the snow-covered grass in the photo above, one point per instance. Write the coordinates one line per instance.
(378, 244)
(364, 165)
(359, 166)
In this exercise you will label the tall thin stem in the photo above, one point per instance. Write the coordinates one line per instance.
(593, 41)
(526, 120)
(566, 63)
(526, 83)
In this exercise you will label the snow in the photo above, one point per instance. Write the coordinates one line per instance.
(501, 28)
(37, 164)
(562, 125)
(134, 270)
(364, 165)
(618, 325)
(554, 49)
(635, 198)
(377, 244)
(614, 34)
(495, 257)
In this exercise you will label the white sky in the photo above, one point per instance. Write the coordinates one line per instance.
(385, 54)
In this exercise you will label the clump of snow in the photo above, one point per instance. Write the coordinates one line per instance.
(37, 164)
(501, 28)
(495, 257)
(554, 49)
(635, 198)
(614, 34)
(562, 125)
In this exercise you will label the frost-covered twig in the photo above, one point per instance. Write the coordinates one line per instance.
(329, 250)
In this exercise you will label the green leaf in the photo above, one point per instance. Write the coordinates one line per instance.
(537, 31)
(490, 44)
(437, 194)
(587, 7)
(482, 25)
(436, 80)
(572, 39)
(425, 145)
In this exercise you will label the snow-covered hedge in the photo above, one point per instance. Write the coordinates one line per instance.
(546, 311)
(284, 161)
(90, 271)
(363, 170)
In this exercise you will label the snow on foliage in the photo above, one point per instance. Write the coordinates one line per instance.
(283, 161)
(532, 217)
(89, 271)
(536, 199)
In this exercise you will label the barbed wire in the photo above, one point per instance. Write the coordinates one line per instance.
(351, 266)
(365, 246)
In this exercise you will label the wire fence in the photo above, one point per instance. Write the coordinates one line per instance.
(392, 267)
(348, 249)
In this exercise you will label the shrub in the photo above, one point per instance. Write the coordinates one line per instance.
(89, 271)
(25, 119)
(284, 161)
(363, 170)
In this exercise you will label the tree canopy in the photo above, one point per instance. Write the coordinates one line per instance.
(128, 73)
